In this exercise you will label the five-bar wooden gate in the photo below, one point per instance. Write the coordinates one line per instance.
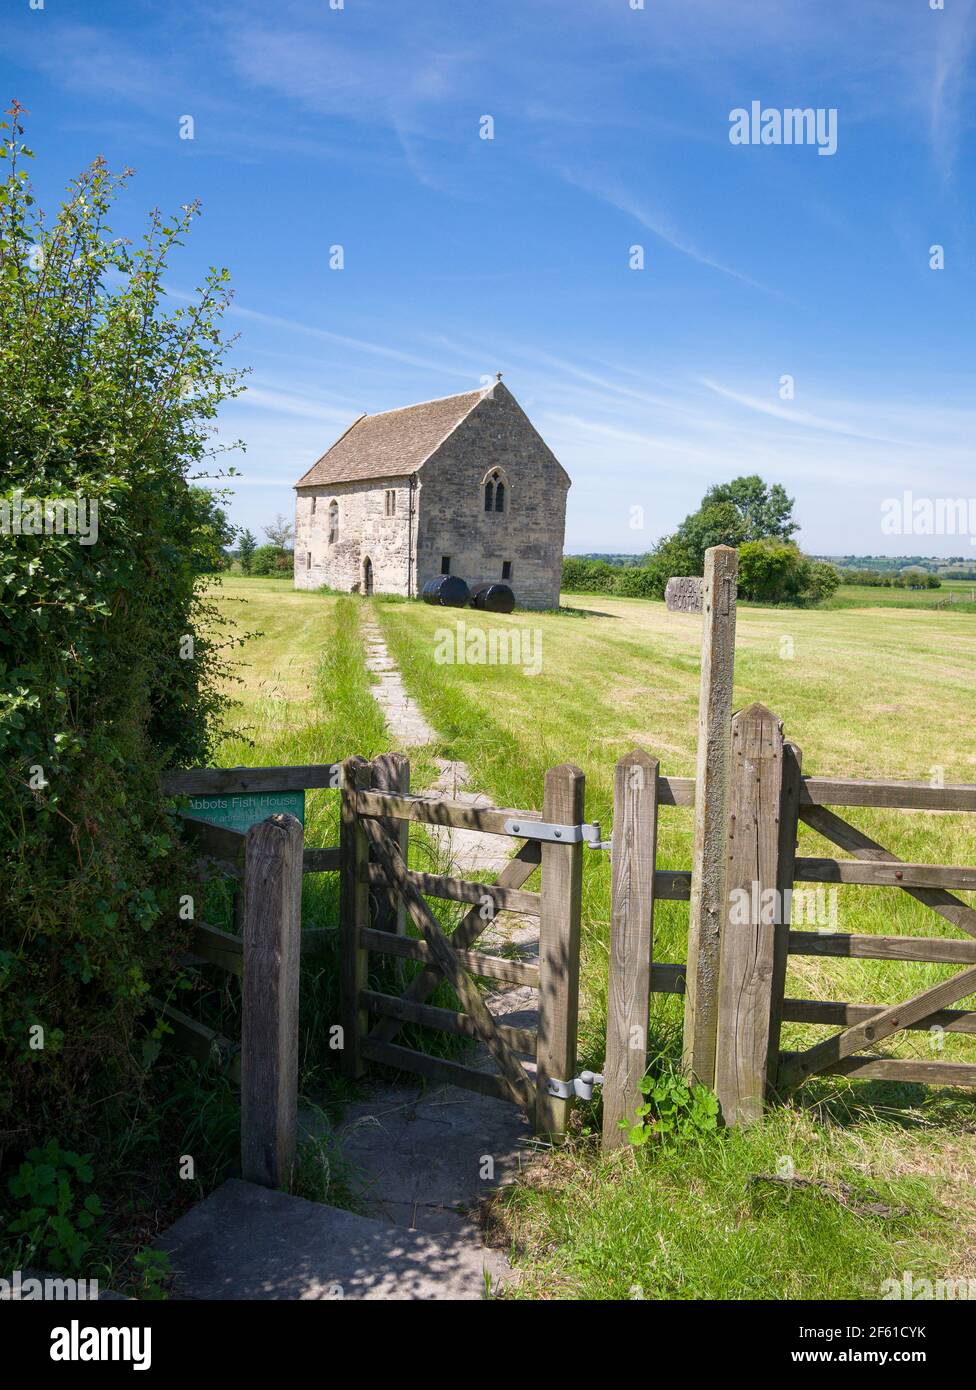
(535, 1068)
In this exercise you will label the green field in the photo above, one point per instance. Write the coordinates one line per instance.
(871, 692)
(957, 594)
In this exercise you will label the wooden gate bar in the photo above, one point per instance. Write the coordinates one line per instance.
(897, 874)
(516, 872)
(918, 948)
(559, 948)
(465, 890)
(445, 1020)
(436, 1068)
(905, 1069)
(632, 860)
(747, 947)
(511, 972)
(833, 1050)
(391, 773)
(831, 1013)
(848, 837)
(446, 959)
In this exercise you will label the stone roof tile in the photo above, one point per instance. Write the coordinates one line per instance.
(392, 444)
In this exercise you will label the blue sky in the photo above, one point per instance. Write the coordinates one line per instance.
(360, 126)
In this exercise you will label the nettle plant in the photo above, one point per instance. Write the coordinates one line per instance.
(107, 395)
(673, 1109)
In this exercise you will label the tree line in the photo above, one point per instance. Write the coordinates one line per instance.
(753, 516)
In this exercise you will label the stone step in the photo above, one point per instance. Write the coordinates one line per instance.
(249, 1242)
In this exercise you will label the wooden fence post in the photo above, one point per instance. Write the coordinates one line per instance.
(269, 1031)
(711, 801)
(789, 820)
(752, 908)
(559, 941)
(632, 861)
(353, 915)
(391, 774)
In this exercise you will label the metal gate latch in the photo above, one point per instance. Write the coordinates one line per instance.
(553, 833)
(581, 1086)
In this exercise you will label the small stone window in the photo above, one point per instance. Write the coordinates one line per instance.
(333, 521)
(494, 492)
(314, 500)
(308, 559)
(445, 564)
(506, 569)
(389, 502)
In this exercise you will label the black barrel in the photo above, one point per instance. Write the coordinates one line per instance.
(493, 598)
(447, 590)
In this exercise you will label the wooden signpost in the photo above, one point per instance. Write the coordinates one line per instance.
(714, 597)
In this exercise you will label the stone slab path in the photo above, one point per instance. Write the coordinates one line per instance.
(249, 1242)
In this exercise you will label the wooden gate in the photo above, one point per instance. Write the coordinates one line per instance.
(536, 1068)
(866, 1026)
(768, 797)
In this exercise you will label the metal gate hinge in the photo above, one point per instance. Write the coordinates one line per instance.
(581, 1086)
(553, 833)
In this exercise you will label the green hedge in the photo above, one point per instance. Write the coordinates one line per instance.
(108, 658)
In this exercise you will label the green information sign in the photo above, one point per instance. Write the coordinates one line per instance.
(240, 811)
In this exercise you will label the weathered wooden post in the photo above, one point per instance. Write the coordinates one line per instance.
(753, 907)
(353, 914)
(269, 1031)
(559, 942)
(391, 774)
(714, 597)
(632, 860)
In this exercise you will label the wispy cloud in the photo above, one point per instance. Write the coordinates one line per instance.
(658, 224)
(951, 70)
(354, 344)
(797, 417)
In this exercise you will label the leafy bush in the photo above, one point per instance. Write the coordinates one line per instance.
(772, 571)
(271, 559)
(55, 1222)
(109, 665)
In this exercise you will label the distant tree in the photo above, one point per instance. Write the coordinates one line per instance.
(766, 513)
(214, 531)
(245, 551)
(279, 532)
(744, 510)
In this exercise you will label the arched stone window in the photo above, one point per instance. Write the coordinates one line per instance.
(333, 521)
(496, 491)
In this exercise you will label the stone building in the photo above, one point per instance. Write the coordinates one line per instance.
(464, 485)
